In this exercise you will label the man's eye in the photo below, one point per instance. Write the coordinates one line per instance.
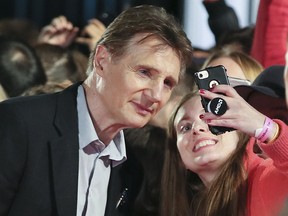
(169, 83)
(145, 72)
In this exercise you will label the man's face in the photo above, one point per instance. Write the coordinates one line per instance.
(135, 86)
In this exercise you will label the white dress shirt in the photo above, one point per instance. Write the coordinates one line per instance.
(114, 154)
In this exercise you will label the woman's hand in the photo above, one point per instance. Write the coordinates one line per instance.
(239, 115)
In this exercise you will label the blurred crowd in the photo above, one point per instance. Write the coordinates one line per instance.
(48, 59)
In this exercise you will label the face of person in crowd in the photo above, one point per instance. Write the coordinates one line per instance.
(233, 69)
(201, 151)
(137, 85)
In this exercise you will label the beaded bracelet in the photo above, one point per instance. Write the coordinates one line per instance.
(262, 134)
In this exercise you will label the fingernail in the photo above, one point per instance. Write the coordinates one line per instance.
(202, 91)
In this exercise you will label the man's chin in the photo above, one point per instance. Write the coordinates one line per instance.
(140, 123)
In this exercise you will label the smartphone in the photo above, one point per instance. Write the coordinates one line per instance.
(206, 79)
(237, 81)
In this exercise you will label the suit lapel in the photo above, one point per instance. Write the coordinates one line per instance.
(124, 185)
(115, 188)
(64, 153)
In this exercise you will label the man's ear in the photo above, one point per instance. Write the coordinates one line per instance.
(101, 58)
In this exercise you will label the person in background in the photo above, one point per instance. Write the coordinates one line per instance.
(241, 39)
(47, 88)
(268, 86)
(66, 151)
(91, 33)
(81, 61)
(59, 63)
(224, 25)
(222, 19)
(20, 67)
(238, 64)
(63, 33)
(20, 29)
(271, 28)
(221, 175)
(60, 32)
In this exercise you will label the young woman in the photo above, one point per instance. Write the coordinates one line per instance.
(209, 175)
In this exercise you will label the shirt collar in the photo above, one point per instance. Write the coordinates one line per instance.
(87, 133)
(115, 150)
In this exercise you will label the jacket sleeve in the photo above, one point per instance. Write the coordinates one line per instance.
(278, 150)
(268, 179)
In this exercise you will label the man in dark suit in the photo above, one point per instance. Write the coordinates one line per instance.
(63, 153)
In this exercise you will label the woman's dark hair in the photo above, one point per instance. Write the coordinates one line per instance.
(146, 144)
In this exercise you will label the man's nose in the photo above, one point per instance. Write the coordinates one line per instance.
(155, 92)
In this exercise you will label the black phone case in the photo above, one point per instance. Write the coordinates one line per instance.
(215, 76)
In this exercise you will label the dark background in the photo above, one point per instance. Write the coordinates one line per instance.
(41, 12)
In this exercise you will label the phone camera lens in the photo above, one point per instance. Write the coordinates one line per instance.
(213, 83)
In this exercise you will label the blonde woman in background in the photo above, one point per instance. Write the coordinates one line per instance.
(237, 63)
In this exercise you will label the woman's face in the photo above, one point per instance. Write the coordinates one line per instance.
(201, 151)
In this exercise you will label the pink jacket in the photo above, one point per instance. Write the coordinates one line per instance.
(269, 42)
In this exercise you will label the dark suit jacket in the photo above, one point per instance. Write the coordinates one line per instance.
(39, 159)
